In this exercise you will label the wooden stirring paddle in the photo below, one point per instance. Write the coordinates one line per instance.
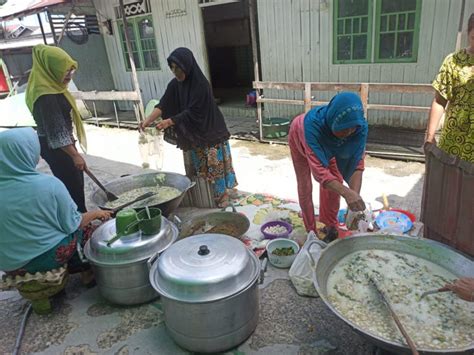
(408, 339)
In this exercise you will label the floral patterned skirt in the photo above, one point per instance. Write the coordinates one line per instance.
(65, 252)
(215, 164)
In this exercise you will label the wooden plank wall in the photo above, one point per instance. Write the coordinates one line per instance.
(170, 33)
(296, 45)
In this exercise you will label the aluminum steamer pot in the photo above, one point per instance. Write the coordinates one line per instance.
(209, 291)
(435, 252)
(120, 269)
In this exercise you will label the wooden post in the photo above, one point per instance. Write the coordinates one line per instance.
(256, 70)
(66, 22)
(460, 27)
(136, 85)
(259, 117)
(307, 97)
(51, 25)
(364, 96)
(42, 29)
(253, 37)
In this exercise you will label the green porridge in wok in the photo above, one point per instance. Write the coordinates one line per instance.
(163, 194)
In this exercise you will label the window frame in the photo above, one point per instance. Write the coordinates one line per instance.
(373, 36)
(416, 35)
(133, 22)
(369, 36)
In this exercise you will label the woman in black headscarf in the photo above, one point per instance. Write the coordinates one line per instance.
(192, 121)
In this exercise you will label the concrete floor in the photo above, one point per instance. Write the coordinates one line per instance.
(83, 323)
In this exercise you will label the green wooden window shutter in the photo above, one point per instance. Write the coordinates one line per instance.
(142, 39)
(352, 31)
(397, 30)
(146, 33)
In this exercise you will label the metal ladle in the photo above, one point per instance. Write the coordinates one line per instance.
(110, 196)
(438, 290)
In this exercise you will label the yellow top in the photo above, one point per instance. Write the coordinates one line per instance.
(455, 82)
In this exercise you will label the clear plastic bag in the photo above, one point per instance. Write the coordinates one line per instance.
(301, 271)
(150, 144)
(362, 221)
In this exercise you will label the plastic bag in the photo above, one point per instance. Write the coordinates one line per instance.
(301, 271)
(150, 144)
(299, 235)
(362, 221)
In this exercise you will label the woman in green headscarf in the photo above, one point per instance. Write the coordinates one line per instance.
(56, 115)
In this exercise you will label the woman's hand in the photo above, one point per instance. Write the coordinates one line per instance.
(150, 119)
(103, 215)
(164, 124)
(354, 201)
(88, 217)
(142, 125)
(429, 139)
(463, 288)
(437, 110)
(79, 162)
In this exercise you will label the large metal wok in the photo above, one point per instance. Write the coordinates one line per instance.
(130, 182)
(440, 254)
(221, 222)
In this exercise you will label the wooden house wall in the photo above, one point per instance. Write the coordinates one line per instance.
(170, 32)
(296, 44)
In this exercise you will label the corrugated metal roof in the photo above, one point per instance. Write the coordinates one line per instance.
(14, 9)
(25, 42)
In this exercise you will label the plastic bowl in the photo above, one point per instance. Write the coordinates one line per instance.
(152, 225)
(275, 127)
(405, 212)
(267, 235)
(282, 262)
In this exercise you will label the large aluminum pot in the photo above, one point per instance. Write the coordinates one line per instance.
(209, 292)
(130, 182)
(120, 269)
(437, 253)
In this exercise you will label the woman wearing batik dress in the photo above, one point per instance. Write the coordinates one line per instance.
(454, 97)
(192, 120)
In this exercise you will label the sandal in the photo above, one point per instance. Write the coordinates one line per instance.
(331, 234)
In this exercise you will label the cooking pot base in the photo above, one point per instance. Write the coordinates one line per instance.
(129, 296)
(215, 344)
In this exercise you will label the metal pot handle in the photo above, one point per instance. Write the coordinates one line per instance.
(191, 185)
(80, 253)
(178, 222)
(320, 243)
(263, 269)
(152, 260)
(230, 205)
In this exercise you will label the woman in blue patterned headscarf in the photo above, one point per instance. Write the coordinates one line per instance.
(329, 143)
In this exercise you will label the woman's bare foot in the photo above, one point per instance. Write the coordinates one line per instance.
(223, 201)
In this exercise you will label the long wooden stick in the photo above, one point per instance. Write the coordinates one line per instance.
(410, 342)
(136, 85)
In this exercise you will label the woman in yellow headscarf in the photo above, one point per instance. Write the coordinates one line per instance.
(56, 115)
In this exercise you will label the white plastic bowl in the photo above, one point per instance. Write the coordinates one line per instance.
(282, 262)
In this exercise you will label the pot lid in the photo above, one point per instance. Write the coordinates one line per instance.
(130, 248)
(203, 268)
